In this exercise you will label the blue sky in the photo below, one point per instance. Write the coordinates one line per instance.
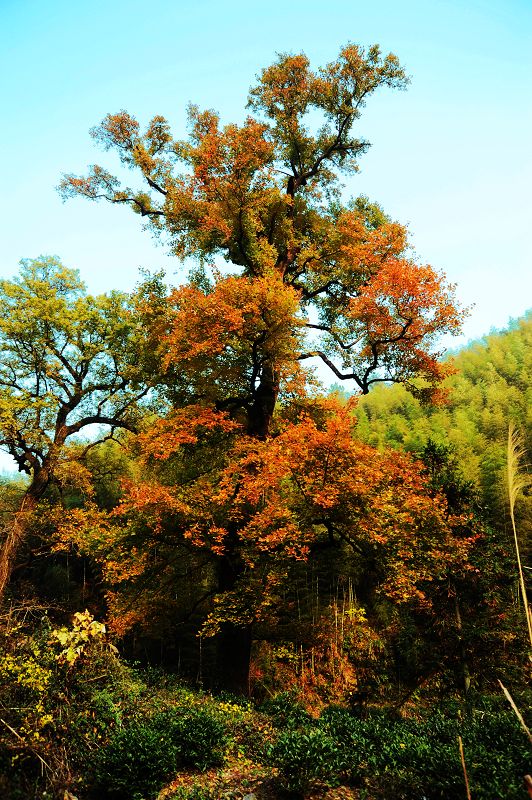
(450, 157)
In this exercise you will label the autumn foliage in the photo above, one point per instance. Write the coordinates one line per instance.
(241, 473)
(264, 196)
(246, 472)
(193, 485)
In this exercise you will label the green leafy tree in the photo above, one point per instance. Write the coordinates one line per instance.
(66, 366)
(490, 389)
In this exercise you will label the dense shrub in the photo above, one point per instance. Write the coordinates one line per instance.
(498, 755)
(285, 711)
(136, 763)
(142, 757)
(420, 759)
(359, 740)
(306, 757)
(197, 735)
(62, 693)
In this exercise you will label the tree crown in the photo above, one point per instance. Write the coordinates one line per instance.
(264, 196)
(66, 361)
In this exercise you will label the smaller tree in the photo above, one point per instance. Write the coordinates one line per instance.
(66, 364)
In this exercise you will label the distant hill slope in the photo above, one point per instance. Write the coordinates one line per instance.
(493, 385)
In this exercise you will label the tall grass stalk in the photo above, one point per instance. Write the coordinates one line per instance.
(517, 480)
(464, 768)
(516, 711)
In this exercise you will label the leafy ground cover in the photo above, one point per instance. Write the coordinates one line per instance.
(77, 719)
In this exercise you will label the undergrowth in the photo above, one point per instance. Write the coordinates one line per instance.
(75, 718)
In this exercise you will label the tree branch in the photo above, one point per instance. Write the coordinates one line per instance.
(341, 375)
(97, 419)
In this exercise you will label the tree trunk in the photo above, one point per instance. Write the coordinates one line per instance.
(261, 411)
(233, 658)
(233, 647)
(234, 641)
(17, 528)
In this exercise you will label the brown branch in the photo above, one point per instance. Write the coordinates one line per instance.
(31, 749)
(336, 338)
(306, 295)
(97, 419)
(156, 186)
(341, 375)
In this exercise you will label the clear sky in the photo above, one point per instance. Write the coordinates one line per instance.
(451, 156)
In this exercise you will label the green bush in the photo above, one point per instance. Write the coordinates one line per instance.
(286, 711)
(306, 757)
(423, 766)
(497, 755)
(360, 741)
(136, 763)
(142, 757)
(420, 759)
(197, 735)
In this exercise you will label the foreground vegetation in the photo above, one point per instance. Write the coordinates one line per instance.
(86, 721)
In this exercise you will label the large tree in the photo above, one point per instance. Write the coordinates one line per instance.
(309, 277)
(67, 368)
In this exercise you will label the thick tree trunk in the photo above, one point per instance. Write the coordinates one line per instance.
(17, 527)
(261, 411)
(233, 658)
(233, 651)
(234, 641)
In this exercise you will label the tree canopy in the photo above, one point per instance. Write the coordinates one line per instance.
(314, 278)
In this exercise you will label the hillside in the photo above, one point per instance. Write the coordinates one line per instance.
(491, 387)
